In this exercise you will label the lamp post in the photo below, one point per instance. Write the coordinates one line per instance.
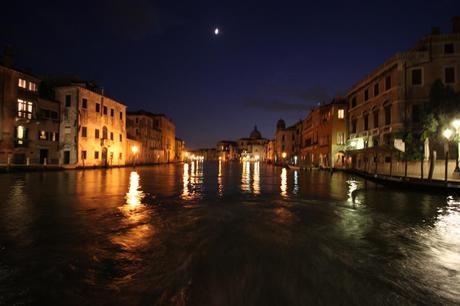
(456, 125)
(134, 150)
(447, 133)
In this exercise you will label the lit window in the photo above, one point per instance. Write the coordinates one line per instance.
(21, 135)
(341, 114)
(22, 83)
(24, 109)
(32, 86)
(42, 135)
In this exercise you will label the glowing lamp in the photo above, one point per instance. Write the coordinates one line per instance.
(447, 133)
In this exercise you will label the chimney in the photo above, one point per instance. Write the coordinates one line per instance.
(456, 24)
(435, 31)
(8, 56)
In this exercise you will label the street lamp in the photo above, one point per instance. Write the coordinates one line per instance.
(134, 150)
(456, 125)
(447, 133)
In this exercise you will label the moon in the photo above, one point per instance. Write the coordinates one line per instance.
(216, 31)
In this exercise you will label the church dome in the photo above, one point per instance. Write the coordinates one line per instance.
(255, 134)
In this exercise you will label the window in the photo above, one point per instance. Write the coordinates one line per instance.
(341, 113)
(282, 138)
(22, 83)
(32, 86)
(96, 133)
(121, 138)
(137, 120)
(21, 135)
(353, 125)
(353, 102)
(104, 133)
(120, 156)
(340, 138)
(84, 131)
(112, 112)
(68, 100)
(388, 82)
(415, 113)
(121, 115)
(388, 114)
(25, 109)
(96, 154)
(84, 103)
(83, 155)
(55, 136)
(105, 110)
(111, 135)
(366, 121)
(98, 107)
(449, 75)
(366, 95)
(42, 135)
(54, 115)
(376, 118)
(449, 48)
(416, 76)
(376, 89)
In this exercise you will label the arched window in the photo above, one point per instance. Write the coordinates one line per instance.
(104, 132)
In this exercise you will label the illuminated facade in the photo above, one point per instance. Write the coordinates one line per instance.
(29, 125)
(391, 98)
(252, 148)
(323, 136)
(287, 143)
(227, 150)
(92, 132)
(140, 127)
(179, 150)
(157, 134)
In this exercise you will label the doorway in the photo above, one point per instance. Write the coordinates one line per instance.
(43, 156)
(66, 157)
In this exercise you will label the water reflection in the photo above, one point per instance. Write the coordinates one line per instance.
(246, 177)
(352, 191)
(256, 179)
(295, 190)
(192, 187)
(283, 184)
(135, 195)
(220, 186)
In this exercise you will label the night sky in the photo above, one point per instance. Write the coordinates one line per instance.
(272, 60)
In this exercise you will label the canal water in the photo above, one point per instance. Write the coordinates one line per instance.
(223, 234)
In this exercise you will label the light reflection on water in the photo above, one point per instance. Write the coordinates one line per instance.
(131, 231)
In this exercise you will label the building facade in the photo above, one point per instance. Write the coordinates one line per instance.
(287, 143)
(179, 150)
(92, 130)
(252, 148)
(29, 125)
(140, 127)
(227, 150)
(324, 133)
(391, 98)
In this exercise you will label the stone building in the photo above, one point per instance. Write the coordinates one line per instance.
(227, 150)
(156, 132)
(252, 148)
(140, 126)
(29, 125)
(391, 98)
(323, 135)
(270, 151)
(179, 150)
(92, 131)
(287, 143)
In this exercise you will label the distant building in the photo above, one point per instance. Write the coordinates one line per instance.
(391, 98)
(270, 151)
(179, 150)
(323, 135)
(205, 154)
(227, 150)
(140, 127)
(29, 125)
(287, 143)
(92, 131)
(252, 148)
